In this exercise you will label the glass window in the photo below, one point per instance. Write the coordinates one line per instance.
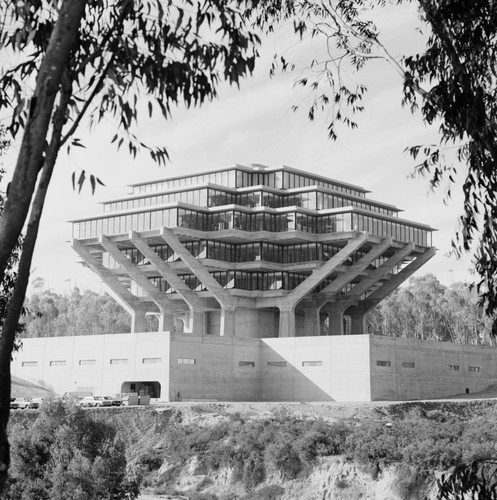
(383, 363)
(246, 364)
(87, 362)
(29, 364)
(312, 363)
(58, 362)
(119, 361)
(186, 361)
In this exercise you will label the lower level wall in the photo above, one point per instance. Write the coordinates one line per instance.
(100, 364)
(219, 368)
(406, 369)
(325, 368)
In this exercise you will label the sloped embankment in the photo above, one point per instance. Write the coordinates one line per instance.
(302, 451)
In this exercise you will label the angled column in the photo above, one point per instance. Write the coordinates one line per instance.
(382, 271)
(219, 293)
(316, 277)
(320, 274)
(396, 280)
(119, 292)
(197, 306)
(353, 271)
(139, 277)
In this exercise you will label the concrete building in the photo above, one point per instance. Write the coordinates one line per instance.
(259, 279)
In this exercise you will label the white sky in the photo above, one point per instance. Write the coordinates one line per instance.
(255, 125)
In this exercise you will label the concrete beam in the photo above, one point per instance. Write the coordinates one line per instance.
(395, 281)
(196, 267)
(134, 272)
(170, 275)
(119, 292)
(353, 271)
(326, 269)
(378, 274)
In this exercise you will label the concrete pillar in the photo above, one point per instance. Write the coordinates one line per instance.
(196, 322)
(357, 321)
(166, 322)
(228, 323)
(335, 318)
(287, 322)
(138, 321)
(312, 323)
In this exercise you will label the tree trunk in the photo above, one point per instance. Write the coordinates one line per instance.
(32, 149)
(32, 156)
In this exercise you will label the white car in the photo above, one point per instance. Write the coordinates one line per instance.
(93, 401)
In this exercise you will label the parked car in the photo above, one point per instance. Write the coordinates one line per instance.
(93, 401)
(36, 402)
(115, 400)
(23, 404)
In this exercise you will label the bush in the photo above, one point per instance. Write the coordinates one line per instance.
(66, 454)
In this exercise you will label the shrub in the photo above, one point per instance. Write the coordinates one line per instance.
(66, 454)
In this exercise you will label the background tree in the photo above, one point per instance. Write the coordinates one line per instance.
(55, 315)
(426, 309)
(93, 59)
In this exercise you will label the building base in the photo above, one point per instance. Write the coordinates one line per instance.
(172, 367)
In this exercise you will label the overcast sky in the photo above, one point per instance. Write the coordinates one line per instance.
(254, 124)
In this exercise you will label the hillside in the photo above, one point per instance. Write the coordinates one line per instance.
(245, 451)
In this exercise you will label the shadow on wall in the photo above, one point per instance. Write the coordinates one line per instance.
(283, 381)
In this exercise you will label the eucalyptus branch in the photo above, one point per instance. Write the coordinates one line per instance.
(88, 102)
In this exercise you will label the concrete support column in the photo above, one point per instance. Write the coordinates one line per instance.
(228, 324)
(312, 324)
(138, 321)
(357, 320)
(166, 322)
(287, 322)
(358, 324)
(335, 318)
(196, 322)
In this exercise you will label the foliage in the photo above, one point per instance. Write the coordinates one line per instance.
(458, 68)
(451, 83)
(251, 448)
(478, 479)
(423, 441)
(417, 443)
(426, 309)
(65, 453)
(53, 314)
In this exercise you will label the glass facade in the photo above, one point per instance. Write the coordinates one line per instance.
(250, 200)
(211, 197)
(246, 221)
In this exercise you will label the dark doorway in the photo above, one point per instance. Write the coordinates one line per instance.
(151, 388)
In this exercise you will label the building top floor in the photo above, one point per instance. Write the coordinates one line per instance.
(214, 195)
(241, 176)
